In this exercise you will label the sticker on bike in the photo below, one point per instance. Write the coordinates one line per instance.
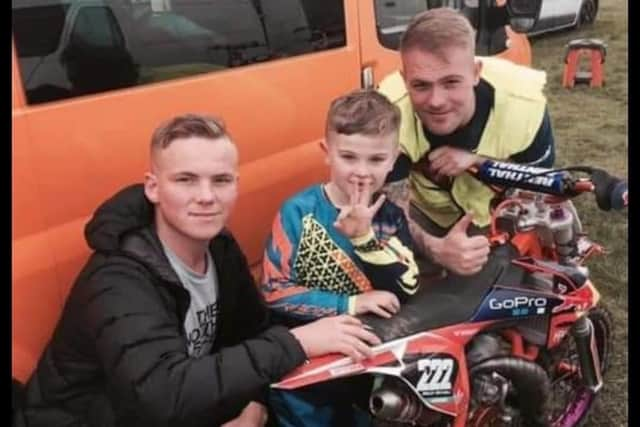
(436, 376)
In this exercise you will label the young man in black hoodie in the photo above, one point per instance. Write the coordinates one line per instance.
(164, 325)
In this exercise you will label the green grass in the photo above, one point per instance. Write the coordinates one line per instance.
(590, 127)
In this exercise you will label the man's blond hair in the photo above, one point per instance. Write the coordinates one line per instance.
(364, 112)
(186, 126)
(437, 30)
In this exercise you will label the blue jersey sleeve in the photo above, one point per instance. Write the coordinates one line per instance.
(283, 292)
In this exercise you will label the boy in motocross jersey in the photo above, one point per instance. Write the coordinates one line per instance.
(341, 247)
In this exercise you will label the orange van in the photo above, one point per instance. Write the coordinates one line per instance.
(92, 78)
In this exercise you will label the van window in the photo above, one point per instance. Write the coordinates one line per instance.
(49, 20)
(69, 48)
(96, 26)
(96, 57)
(393, 16)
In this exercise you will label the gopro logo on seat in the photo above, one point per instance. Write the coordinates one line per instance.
(518, 302)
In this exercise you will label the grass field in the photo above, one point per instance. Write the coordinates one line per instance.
(591, 128)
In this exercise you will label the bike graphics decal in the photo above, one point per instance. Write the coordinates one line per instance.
(522, 176)
(504, 303)
(520, 304)
(433, 375)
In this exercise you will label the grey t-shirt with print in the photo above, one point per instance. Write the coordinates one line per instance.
(200, 321)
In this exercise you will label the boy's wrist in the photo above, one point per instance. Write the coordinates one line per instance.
(351, 305)
(364, 239)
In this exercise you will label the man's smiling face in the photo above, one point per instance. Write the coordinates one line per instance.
(441, 87)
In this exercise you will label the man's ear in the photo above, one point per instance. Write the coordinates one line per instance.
(151, 187)
(477, 69)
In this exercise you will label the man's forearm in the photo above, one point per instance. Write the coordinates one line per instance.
(424, 243)
(399, 193)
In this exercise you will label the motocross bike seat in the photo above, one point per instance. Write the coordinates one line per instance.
(447, 301)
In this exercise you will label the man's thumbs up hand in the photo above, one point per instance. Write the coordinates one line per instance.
(460, 253)
(462, 225)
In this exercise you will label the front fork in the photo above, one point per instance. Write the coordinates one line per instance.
(587, 349)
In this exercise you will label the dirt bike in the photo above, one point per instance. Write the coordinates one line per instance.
(522, 343)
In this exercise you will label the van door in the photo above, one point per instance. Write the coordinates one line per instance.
(268, 68)
(33, 263)
(379, 58)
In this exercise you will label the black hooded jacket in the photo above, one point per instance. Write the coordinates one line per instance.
(118, 355)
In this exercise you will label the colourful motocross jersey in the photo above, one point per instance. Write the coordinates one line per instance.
(310, 270)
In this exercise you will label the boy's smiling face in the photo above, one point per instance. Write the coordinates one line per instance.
(359, 160)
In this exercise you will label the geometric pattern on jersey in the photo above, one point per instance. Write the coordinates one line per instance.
(321, 264)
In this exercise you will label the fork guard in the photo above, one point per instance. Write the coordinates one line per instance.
(587, 350)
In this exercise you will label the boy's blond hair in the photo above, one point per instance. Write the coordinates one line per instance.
(364, 112)
(437, 30)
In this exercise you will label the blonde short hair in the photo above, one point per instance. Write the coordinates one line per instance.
(436, 30)
(365, 112)
(186, 126)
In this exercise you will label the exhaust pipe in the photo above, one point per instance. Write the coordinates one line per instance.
(394, 404)
(529, 379)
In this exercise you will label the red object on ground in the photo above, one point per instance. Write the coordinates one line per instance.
(596, 51)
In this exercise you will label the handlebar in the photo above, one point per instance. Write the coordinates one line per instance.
(610, 192)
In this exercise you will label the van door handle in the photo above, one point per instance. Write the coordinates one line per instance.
(367, 78)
